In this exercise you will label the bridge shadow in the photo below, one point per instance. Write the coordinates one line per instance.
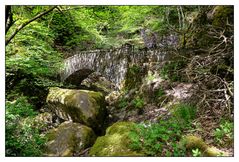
(89, 80)
(77, 77)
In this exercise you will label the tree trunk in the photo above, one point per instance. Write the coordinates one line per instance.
(8, 18)
(7, 13)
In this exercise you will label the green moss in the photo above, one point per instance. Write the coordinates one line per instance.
(120, 127)
(133, 77)
(221, 14)
(212, 151)
(193, 142)
(96, 95)
(81, 106)
(103, 86)
(51, 135)
(56, 145)
(116, 141)
(111, 145)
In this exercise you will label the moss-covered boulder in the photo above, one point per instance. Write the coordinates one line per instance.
(192, 142)
(82, 106)
(116, 142)
(69, 139)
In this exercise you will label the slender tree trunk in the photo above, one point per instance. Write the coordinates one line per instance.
(179, 19)
(183, 17)
(26, 23)
(8, 18)
(7, 13)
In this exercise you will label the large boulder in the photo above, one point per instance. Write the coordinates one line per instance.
(82, 106)
(116, 142)
(69, 139)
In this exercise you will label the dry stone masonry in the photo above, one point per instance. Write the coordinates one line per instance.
(111, 63)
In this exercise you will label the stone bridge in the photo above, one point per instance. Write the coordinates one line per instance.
(112, 64)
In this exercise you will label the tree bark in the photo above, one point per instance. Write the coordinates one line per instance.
(8, 18)
(7, 13)
(26, 23)
(183, 17)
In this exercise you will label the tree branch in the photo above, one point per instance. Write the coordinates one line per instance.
(26, 23)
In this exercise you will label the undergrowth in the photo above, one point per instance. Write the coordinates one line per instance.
(184, 113)
(171, 70)
(22, 138)
(224, 133)
(159, 139)
(162, 138)
(138, 102)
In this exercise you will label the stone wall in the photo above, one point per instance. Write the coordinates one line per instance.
(113, 63)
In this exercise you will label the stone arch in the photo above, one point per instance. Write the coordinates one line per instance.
(112, 64)
(78, 76)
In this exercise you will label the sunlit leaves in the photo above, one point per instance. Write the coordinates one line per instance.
(105, 26)
(31, 51)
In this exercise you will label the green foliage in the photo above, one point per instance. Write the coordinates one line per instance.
(224, 133)
(184, 113)
(87, 27)
(196, 152)
(105, 26)
(134, 18)
(30, 57)
(22, 138)
(160, 92)
(159, 139)
(150, 77)
(122, 103)
(133, 76)
(135, 69)
(32, 53)
(138, 102)
(20, 107)
(135, 143)
(221, 15)
(171, 70)
(35, 88)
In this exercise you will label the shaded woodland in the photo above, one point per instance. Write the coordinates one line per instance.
(119, 81)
